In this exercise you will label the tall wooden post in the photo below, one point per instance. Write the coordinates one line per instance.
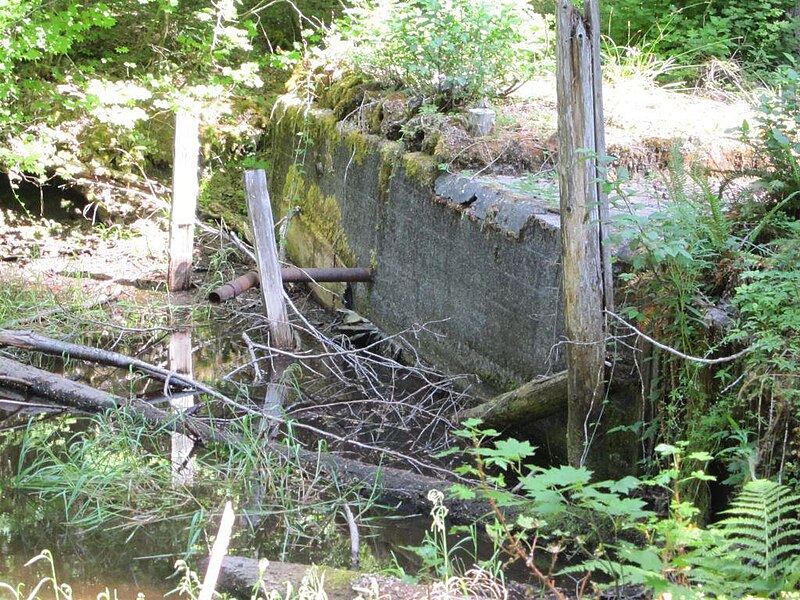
(581, 252)
(592, 12)
(184, 200)
(269, 269)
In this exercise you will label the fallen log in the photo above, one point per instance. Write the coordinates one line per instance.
(23, 383)
(531, 401)
(240, 575)
(405, 489)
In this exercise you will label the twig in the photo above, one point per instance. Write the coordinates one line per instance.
(256, 369)
(678, 353)
(354, 539)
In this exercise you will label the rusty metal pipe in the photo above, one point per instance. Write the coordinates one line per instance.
(234, 288)
(289, 275)
(295, 275)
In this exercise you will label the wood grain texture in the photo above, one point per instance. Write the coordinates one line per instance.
(531, 401)
(580, 232)
(185, 188)
(269, 269)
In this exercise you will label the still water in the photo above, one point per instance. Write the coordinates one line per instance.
(112, 559)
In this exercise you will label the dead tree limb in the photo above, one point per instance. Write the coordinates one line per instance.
(21, 382)
(537, 399)
(29, 340)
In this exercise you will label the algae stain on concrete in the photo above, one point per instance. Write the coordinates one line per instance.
(421, 168)
(390, 157)
(316, 236)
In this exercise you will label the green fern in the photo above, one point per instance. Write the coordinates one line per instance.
(678, 178)
(755, 549)
(719, 227)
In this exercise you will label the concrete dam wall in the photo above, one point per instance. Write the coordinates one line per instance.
(475, 263)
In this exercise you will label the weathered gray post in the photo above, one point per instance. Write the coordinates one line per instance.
(581, 252)
(184, 200)
(269, 269)
(592, 12)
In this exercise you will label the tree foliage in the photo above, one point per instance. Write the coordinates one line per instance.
(757, 33)
(450, 51)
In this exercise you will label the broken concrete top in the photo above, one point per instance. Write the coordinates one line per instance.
(495, 201)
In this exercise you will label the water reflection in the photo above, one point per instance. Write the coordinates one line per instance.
(180, 361)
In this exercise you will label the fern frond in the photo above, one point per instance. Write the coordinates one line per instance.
(719, 226)
(760, 540)
(678, 178)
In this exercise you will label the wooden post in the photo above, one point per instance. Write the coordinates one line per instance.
(184, 200)
(592, 12)
(581, 252)
(218, 552)
(269, 269)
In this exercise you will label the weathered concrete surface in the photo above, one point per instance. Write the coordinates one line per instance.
(478, 265)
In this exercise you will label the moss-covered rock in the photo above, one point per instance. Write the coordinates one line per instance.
(345, 95)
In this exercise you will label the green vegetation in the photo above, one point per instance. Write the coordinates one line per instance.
(713, 275)
(756, 34)
(449, 52)
(604, 530)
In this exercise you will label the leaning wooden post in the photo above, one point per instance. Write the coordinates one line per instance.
(269, 269)
(184, 201)
(581, 253)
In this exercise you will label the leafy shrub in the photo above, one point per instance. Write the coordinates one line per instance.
(606, 528)
(453, 51)
(776, 138)
(756, 32)
(675, 254)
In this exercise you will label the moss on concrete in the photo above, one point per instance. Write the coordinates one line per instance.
(390, 154)
(222, 198)
(320, 214)
(420, 168)
(343, 96)
(359, 146)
